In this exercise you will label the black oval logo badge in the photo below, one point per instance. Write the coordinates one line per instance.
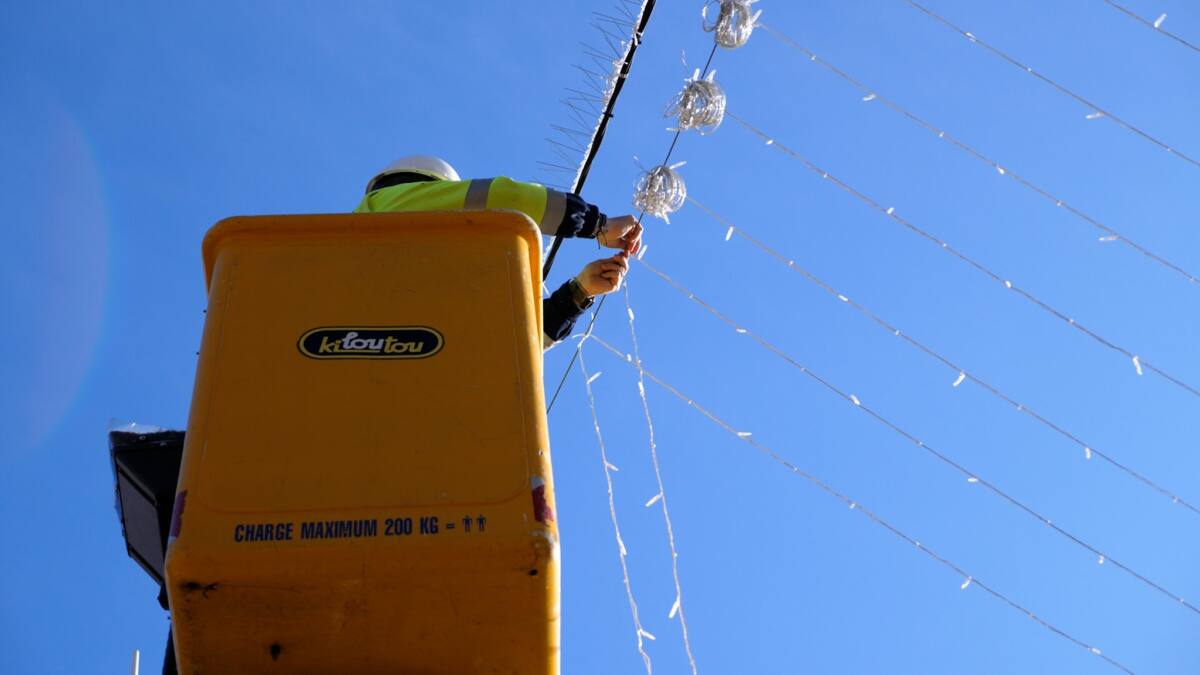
(371, 342)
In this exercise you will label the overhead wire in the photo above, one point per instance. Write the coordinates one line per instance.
(600, 305)
(971, 476)
(1138, 362)
(641, 633)
(1156, 24)
(1059, 87)
(661, 496)
(872, 94)
(969, 580)
(1089, 450)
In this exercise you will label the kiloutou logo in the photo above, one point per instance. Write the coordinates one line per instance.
(371, 342)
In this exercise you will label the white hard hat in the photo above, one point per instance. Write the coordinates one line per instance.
(426, 165)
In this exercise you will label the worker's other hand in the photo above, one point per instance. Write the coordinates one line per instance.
(603, 276)
(623, 232)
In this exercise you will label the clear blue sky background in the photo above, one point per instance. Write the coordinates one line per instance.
(127, 129)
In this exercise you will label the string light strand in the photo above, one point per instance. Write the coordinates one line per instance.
(661, 496)
(971, 476)
(1110, 234)
(1097, 110)
(1139, 363)
(1156, 24)
(1089, 451)
(857, 506)
(642, 633)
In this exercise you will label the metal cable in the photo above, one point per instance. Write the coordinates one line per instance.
(1138, 362)
(1088, 450)
(971, 476)
(1110, 234)
(1156, 25)
(1061, 89)
(968, 579)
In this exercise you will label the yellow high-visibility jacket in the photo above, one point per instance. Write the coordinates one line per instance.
(556, 214)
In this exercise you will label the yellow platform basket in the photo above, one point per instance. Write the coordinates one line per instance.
(366, 483)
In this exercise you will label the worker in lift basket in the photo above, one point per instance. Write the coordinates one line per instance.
(423, 183)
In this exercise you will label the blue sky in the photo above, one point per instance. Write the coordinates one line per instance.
(128, 129)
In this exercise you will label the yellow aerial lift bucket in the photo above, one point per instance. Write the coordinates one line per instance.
(366, 481)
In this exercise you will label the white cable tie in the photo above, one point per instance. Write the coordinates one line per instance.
(959, 380)
(642, 251)
(1137, 365)
(1095, 115)
(611, 467)
(971, 37)
(1111, 237)
(941, 134)
(674, 609)
(1007, 283)
(854, 400)
(621, 544)
(869, 97)
(965, 583)
(629, 311)
(646, 634)
(1096, 651)
(1087, 452)
(641, 389)
(770, 141)
(1159, 21)
(741, 330)
(999, 169)
(743, 434)
(729, 233)
(654, 500)
(972, 479)
(853, 505)
(891, 210)
(595, 377)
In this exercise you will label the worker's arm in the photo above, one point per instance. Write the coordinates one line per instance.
(558, 214)
(565, 305)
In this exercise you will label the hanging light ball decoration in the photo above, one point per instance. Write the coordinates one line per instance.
(734, 23)
(700, 105)
(660, 191)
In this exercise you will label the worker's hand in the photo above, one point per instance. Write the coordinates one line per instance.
(623, 232)
(603, 276)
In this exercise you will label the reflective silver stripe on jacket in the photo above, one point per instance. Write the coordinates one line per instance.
(477, 194)
(556, 210)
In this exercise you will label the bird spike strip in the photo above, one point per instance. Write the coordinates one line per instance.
(870, 94)
(854, 505)
(971, 476)
(962, 373)
(1140, 364)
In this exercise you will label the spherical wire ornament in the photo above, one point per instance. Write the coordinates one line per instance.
(734, 23)
(660, 191)
(700, 105)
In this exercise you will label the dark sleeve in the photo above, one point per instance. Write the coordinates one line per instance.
(580, 219)
(559, 313)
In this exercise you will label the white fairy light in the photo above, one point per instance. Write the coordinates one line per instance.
(853, 505)
(733, 24)
(700, 105)
(660, 192)
(959, 380)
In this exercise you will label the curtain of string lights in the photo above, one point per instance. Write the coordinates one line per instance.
(660, 191)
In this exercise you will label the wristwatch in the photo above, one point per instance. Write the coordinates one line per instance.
(580, 296)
